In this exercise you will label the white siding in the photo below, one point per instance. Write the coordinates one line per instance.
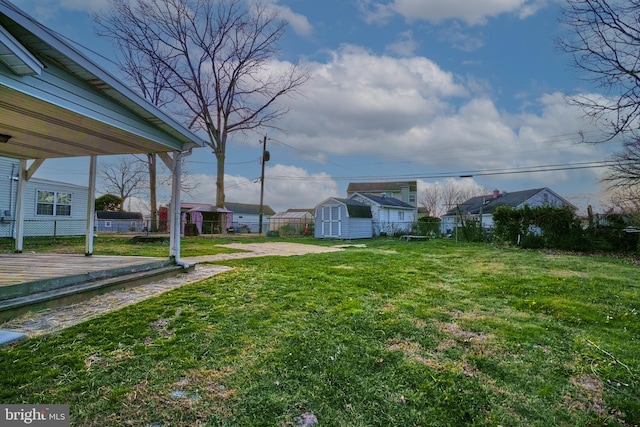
(39, 225)
(50, 225)
(8, 195)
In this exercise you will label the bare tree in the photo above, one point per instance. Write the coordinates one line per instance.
(624, 171)
(625, 201)
(215, 57)
(147, 78)
(124, 177)
(440, 197)
(604, 42)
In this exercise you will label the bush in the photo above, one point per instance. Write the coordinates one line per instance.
(427, 226)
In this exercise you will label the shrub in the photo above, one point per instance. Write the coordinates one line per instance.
(427, 226)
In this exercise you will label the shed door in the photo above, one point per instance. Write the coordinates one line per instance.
(331, 221)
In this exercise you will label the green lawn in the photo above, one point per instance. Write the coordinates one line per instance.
(395, 334)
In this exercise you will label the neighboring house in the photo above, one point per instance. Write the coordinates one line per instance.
(52, 208)
(407, 191)
(482, 207)
(202, 218)
(120, 222)
(293, 221)
(246, 217)
(343, 219)
(390, 215)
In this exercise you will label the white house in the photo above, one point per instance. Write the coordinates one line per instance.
(482, 207)
(390, 215)
(52, 208)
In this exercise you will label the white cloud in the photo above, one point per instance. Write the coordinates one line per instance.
(435, 11)
(405, 45)
(285, 187)
(409, 108)
(299, 23)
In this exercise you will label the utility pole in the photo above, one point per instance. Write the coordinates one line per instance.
(265, 158)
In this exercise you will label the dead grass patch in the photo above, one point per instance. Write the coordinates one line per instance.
(590, 394)
(567, 273)
(189, 401)
(460, 334)
(343, 267)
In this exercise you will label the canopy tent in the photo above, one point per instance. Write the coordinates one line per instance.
(57, 103)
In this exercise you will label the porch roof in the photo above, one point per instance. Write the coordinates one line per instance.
(55, 102)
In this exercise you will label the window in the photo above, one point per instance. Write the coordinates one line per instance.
(401, 216)
(53, 203)
(412, 198)
(107, 224)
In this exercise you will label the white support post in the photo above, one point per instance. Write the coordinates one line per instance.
(175, 222)
(20, 206)
(91, 203)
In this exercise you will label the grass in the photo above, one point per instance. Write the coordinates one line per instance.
(394, 334)
(110, 244)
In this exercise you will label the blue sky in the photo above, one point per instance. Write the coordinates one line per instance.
(424, 90)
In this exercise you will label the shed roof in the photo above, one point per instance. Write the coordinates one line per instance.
(355, 209)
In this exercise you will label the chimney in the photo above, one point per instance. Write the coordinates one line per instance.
(496, 193)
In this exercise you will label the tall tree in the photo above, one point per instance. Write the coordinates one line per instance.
(147, 78)
(124, 177)
(604, 41)
(215, 56)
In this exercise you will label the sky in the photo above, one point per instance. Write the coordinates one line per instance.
(465, 91)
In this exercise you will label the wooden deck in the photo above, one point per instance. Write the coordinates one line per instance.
(35, 281)
(23, 268)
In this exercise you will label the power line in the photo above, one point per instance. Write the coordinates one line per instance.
(459, 174)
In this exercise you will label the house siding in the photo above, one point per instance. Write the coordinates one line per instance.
(34, 224)
(8, 195)
(387, 219)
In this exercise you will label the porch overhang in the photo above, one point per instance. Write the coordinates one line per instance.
(57, 103)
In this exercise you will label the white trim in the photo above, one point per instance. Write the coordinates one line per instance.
(24, 63)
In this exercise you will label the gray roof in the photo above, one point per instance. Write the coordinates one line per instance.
(355, 208)
(248, 209)
(387, 201)
(117, 215)
(487, 204)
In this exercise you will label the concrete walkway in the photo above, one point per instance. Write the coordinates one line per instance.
(56, 318)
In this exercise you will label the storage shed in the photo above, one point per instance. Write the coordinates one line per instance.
(337, 218)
